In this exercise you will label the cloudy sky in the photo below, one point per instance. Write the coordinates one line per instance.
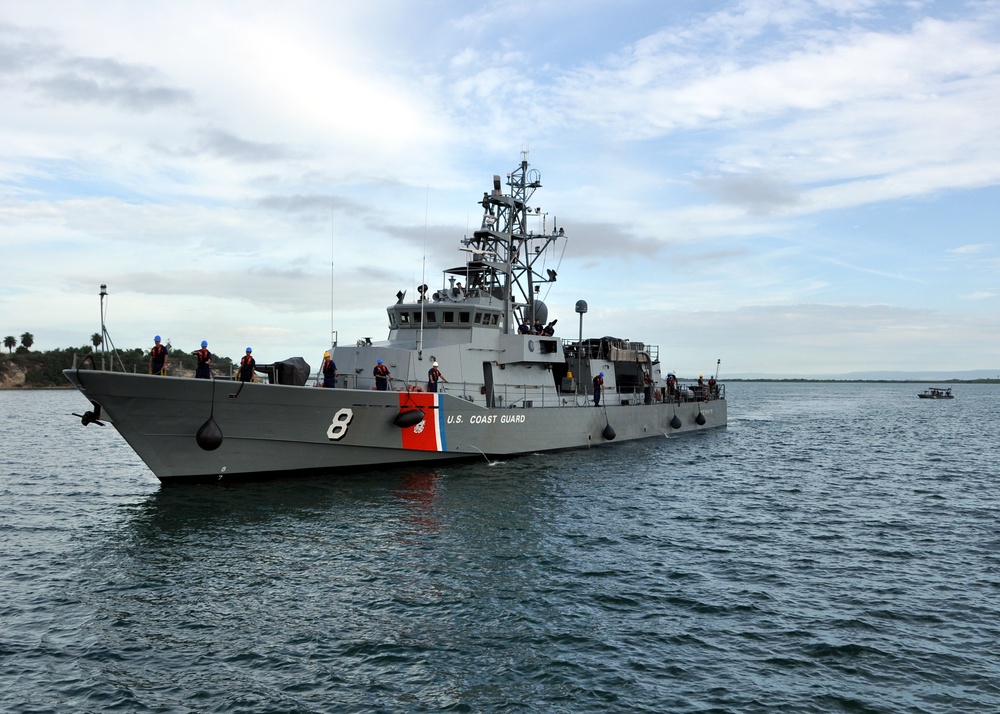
(795, 187)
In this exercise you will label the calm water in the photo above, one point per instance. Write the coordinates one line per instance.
(837, 548)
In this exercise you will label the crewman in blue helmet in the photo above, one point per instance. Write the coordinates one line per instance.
(204, 357)
(246, 366)
(598, 388)
(158, 358)
(382, 376)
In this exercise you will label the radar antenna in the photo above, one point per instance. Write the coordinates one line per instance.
(508, 249)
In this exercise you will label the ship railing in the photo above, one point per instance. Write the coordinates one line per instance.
(527, 396)
(694, 393)
(607, 349)
(539, 396)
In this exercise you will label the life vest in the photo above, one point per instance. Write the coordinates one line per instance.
(203, 356)
(381, 371)
(433, 374)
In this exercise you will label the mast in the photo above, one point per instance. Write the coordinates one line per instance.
(504, 250)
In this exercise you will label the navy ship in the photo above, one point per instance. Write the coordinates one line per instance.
(508, 384)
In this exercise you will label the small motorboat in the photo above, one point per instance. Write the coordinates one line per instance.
(937, 393)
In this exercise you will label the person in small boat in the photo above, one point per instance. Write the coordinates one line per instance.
(329, 370)
(247, 363)
(204, 357)
(433, 377)
(382, 376)
(598, 388)
(158, 358)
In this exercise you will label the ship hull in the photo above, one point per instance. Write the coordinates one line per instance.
(265, 430)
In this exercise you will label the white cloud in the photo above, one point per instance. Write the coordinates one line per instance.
(970, 249)
(761, 172)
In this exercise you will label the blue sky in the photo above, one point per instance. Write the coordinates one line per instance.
(795, 188)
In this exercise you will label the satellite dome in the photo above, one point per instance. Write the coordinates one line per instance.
(541, 311)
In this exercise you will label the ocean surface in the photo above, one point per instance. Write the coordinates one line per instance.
(836, 549)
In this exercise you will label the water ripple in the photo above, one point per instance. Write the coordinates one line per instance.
(835, 549)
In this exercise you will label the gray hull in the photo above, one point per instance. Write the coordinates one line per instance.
(269, 430)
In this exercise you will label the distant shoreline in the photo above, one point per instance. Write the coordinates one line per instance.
(834, 380)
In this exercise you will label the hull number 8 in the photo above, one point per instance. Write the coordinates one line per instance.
(338, 427)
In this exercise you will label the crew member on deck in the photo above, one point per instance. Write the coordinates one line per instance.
(598, 388)
(713, 386)
(523, 329)
(204, 357)
(537, 328)
(382, 376)
(329, 370)
(433, 376)
(158, 358)
(550, 329)
(246, 366)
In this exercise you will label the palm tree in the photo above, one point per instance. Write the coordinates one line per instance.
(96, 339)
(27, 340)
(10, 342)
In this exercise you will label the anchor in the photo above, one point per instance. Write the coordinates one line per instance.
(91, 417)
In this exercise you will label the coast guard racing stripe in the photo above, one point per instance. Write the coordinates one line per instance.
(428, 435)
